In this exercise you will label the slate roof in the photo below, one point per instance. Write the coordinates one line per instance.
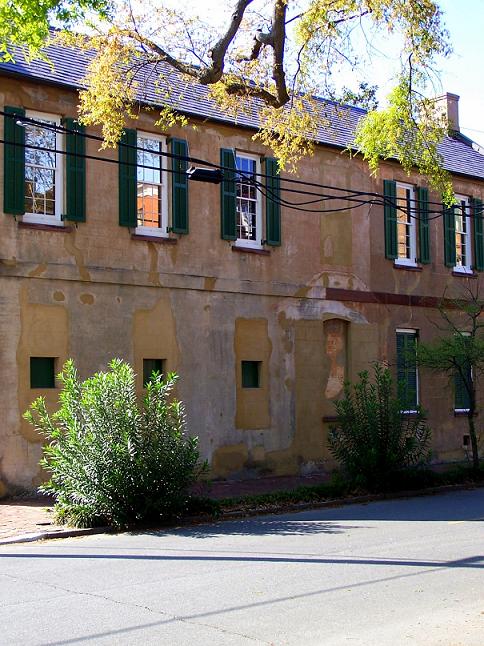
(337, 124)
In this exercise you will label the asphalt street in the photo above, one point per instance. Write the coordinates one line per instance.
(400, 572)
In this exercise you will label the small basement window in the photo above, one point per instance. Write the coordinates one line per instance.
(150, 366)
(251, 374)
(42, 372)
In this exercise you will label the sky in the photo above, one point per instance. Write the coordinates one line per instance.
(461, 73)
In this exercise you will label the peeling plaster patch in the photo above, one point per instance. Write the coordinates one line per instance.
(87, 299)
(58, 296)
(38, 271)
(209, 283)
(9, 262)
(71, 248)
(154, 274)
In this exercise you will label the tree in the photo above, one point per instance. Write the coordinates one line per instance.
(26, 22)
(275, 56)
(459, 353)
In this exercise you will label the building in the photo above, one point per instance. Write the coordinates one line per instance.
(262, 309)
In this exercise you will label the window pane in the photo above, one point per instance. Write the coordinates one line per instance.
(246, 199)
(149, 367)
(40, 167)
(251, 374)
(42, 372)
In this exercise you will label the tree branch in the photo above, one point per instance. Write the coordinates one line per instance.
(214, 73)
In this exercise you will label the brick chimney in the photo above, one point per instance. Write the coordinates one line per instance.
(448, 105)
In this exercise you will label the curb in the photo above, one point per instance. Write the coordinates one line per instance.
(245, 513)
(63, 533)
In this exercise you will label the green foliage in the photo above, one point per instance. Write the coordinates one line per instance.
(373, 440)
(112, 460)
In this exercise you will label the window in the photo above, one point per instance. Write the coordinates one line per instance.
(406, 225)
(44, 189)
(42, 372)
(150, 366)
(248, 205)
(152, 202)
(406, 209)
(407, 375)
(251, 374)
(463, 245)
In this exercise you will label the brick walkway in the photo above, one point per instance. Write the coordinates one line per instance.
(20, 517)
(32, 516)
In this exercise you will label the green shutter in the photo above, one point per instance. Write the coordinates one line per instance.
(423, 226)
(75, 171)
(449, 237)
(179, 193)
(461, 395)
(228, 195)
(478, 235)
(273, 207)
(407, 369)
(127, 179)
(14, 163)
(390, 213)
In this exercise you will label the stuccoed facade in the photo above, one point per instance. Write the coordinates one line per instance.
(312, 311)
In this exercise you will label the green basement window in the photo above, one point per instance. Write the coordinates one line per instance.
(251, 374)
(42, 372)
(149, 367)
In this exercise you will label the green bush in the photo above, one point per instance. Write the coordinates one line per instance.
(372, 439)
(111, 458)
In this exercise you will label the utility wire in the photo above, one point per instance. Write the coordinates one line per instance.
(358, 198)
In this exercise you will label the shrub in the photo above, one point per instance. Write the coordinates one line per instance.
(112, 459)
(372, 439)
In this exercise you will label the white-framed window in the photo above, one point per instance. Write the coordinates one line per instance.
(407, 372)
(248, 202)
(44, 169)
(152, 190)
(406, 225)
(463, 236)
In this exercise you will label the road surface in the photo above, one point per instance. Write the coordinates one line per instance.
(390, 573)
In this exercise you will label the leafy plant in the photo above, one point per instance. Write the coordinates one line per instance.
(373, 439)
(111, 459)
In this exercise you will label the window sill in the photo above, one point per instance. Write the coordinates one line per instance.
(405, 267)
(261, 252)
(59, 228)
(464, 274)
(461, 412)
(157, 239)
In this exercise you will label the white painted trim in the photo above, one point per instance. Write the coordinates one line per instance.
(412, 261)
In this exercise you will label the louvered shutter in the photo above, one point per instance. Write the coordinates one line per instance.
(390, 215)
(273, 207)
(449, 237)
(407, 369)
(228, 195)
(423, 226)
(179, 194)
(478, 235)
(127, 179)
(461, 395)
(14, 162)
(75, 171)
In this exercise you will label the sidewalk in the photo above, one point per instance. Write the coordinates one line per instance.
(33, 516)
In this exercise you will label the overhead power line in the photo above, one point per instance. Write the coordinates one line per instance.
(355, 198)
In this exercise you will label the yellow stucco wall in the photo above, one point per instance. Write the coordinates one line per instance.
(94, 293)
